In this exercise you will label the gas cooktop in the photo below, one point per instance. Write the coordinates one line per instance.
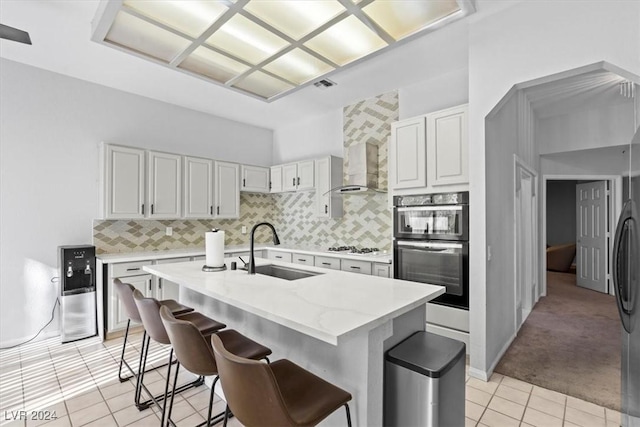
(352, 250)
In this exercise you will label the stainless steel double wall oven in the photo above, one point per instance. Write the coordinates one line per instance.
(431, 243)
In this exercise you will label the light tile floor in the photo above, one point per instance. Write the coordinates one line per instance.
(78, 383)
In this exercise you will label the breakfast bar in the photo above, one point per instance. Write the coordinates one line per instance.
(336, 324)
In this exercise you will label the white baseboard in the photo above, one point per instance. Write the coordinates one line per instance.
(485, 375)
(42, 336)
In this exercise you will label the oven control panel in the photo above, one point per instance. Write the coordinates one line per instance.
(461, 198)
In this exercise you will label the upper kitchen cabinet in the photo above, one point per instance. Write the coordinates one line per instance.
(123, 194)
(430, 152)
(255, 179)
(198, 187)
(165, 185)
(408, 154)
(298, 176)
(328, 175)
(447, 147)
(227, 190)
(275, 183)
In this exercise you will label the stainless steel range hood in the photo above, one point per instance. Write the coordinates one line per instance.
(362, 169)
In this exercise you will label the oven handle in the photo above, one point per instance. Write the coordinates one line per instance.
(431, 245)
(431, 208)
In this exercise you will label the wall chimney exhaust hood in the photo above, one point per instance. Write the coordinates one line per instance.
(362, 169)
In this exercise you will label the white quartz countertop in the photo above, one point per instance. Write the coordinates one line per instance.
(189, 252)
(328, 306)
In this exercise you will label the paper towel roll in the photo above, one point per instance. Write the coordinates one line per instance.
(214, 248)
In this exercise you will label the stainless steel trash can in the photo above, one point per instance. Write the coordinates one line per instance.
(424, 382)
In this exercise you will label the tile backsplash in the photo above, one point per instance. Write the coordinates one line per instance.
(366, 221)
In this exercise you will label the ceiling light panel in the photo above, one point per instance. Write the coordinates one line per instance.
(138, 35)
(263, 85)
(402, 18)
(246, 40)
(214, 65)
(346, 41)
(295, 18)
(266, 48)
(187, 16)
(298, 66)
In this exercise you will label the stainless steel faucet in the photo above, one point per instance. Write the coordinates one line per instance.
(251, 268)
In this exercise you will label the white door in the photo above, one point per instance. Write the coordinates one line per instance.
(289, 177)
(526, 258)
(305, 179)
(276, 179)
(407, 154)
(165, 185)
(198, 187)
(227, 194)
(591, 245)
(447, 147)
(255, 179)
(124, 182)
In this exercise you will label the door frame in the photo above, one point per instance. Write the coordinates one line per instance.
(519, 163)
(615, 207)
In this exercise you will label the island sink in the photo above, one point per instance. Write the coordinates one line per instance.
(285, 273)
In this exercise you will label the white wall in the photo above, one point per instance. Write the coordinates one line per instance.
(315, 137)
(517, 44)
(444, 91)
(50, 128)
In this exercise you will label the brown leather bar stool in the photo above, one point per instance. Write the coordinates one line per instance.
(125, 293)
(278, 394)
(194, 352)
(149, 309)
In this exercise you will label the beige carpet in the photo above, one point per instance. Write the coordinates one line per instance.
(571, 343)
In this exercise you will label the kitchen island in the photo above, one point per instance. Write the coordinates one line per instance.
(336, 324)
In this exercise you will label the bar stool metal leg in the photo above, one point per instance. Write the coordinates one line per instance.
(123, 361)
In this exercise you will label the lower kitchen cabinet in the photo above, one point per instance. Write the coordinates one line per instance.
(127, 272)
(166, 289)
(303, 259)
(381, 270)
(362, 267)
(327, 262)
(280, 256)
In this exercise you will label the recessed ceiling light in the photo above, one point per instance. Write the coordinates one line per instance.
(267, 48)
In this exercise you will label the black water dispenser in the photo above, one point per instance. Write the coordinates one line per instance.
(78, 292)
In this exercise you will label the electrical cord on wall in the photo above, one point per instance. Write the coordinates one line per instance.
(53, 311)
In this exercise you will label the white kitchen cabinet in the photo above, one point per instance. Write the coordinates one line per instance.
(298, 176)
(327, 262)
(430, 151)
(328, 175)
(255, 179)
(447, 147)
(128, 272)
(275, 184)
(279, 256)
(198, 187)
(164, 179)
(227, 190)
(123, 187)
(354, 266)
(303, 259)
(381, 270)
(166, 289)
(408, 154)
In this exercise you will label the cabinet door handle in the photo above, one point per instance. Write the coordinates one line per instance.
(244, 182)
(326, 263)
(298, 180)
(133, 269)
(294, 182)
(218, 210)
(143, 209)
(149, 286)
(152, 209)
(269, 185)
(160, 284)
(355, 267)
(302, 260)
(211, 209)
(278, 256)
(326, 208)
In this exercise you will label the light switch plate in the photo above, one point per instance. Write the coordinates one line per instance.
(244, 229)
(168, 231)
